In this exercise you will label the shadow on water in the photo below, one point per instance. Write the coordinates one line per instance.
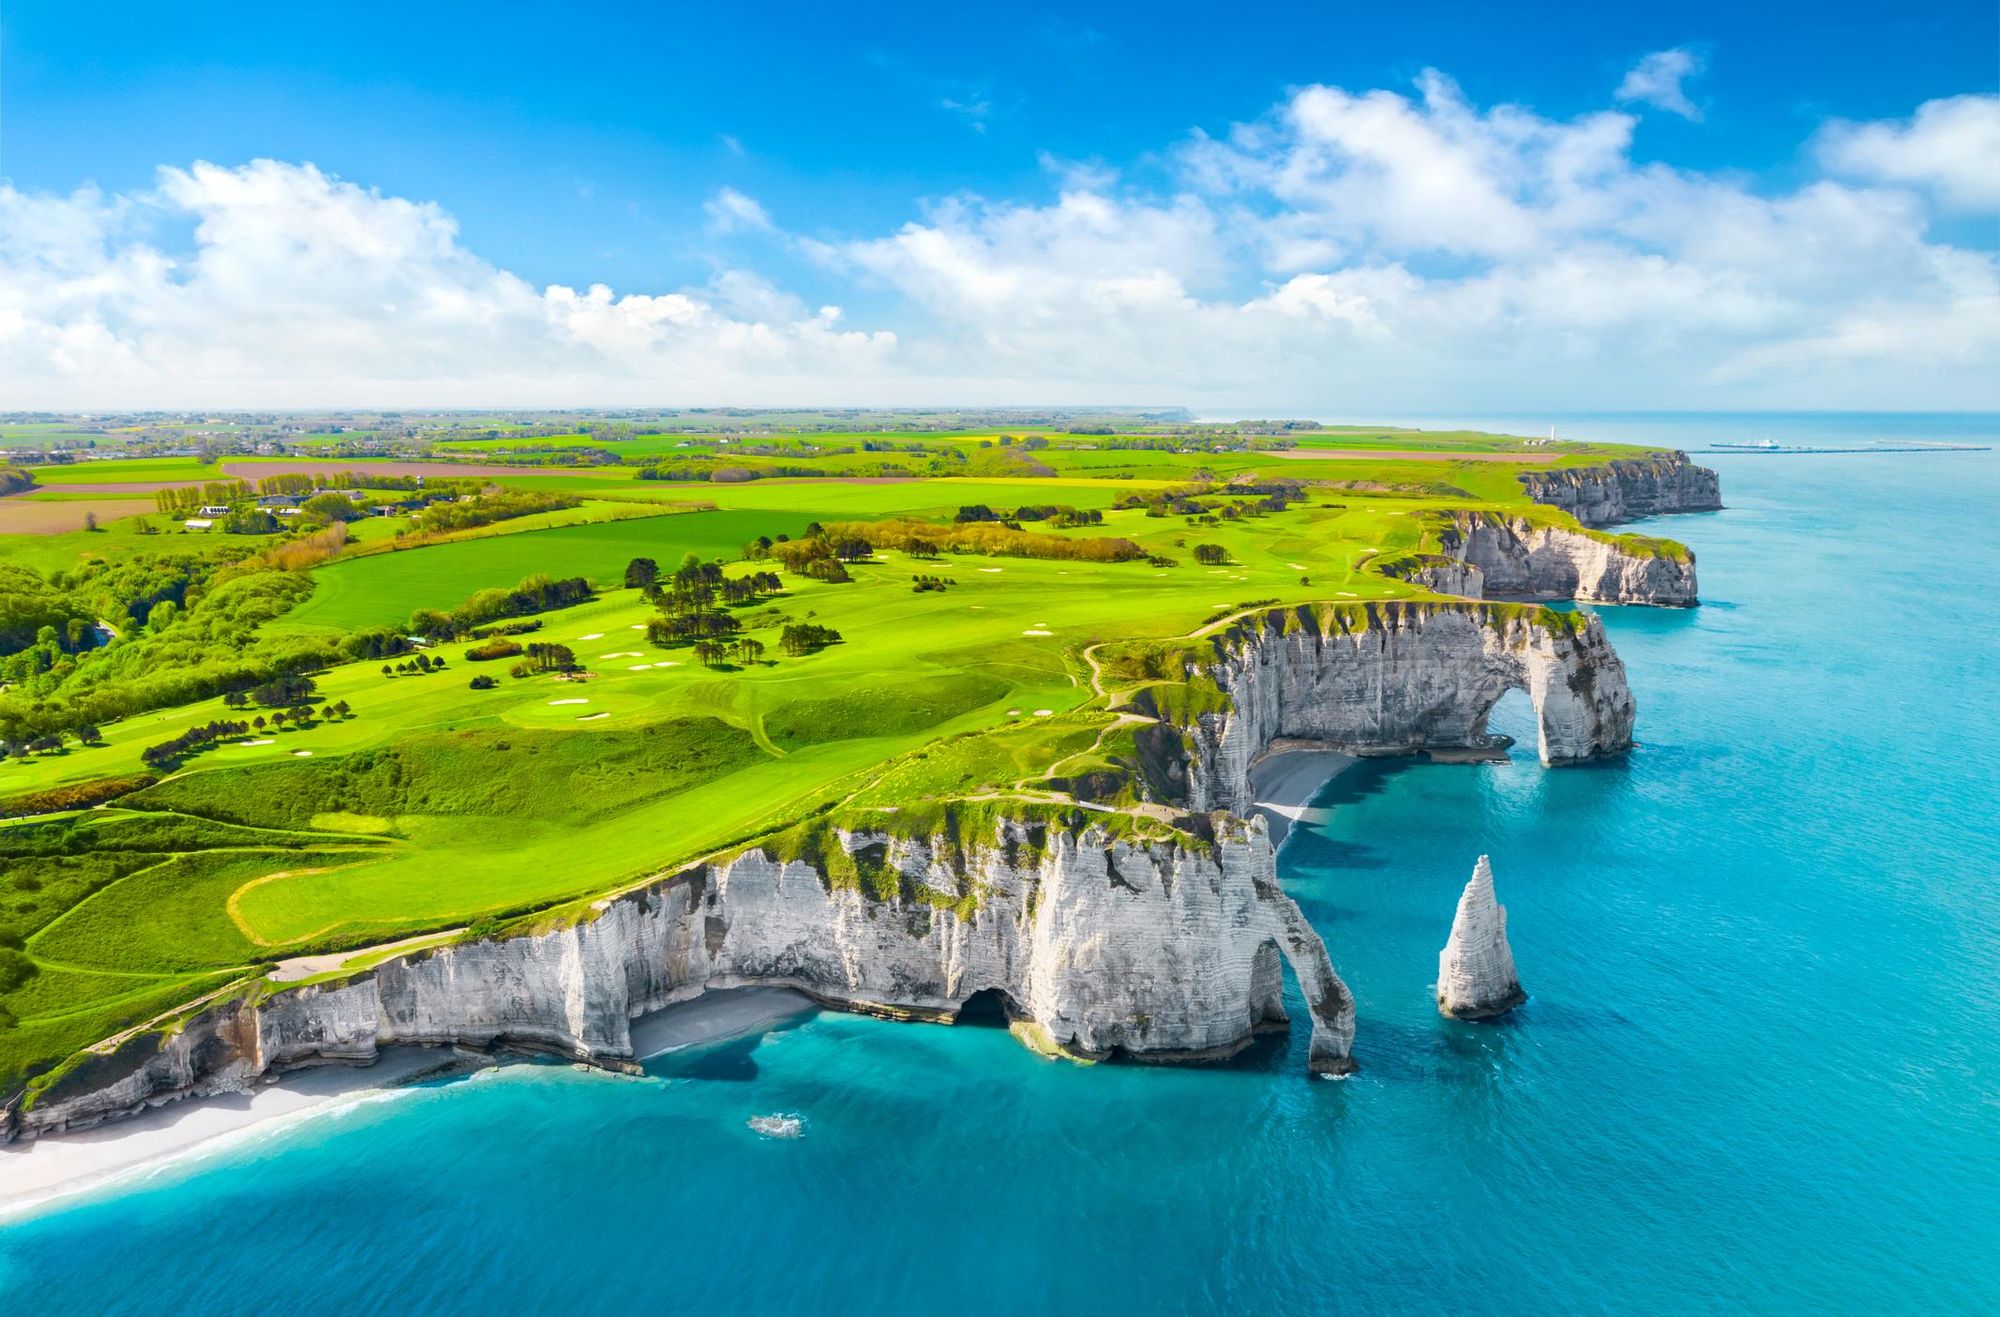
(733, 1060)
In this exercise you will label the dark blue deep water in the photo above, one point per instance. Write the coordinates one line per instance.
(1760, 1070)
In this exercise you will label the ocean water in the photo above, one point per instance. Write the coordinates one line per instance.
(1759, 1070)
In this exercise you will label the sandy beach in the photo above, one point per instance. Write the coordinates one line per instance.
(35, 1173)
(714, 1016)
(1285, 779)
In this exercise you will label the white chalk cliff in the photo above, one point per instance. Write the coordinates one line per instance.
(1476, 978)
(1161, 951)
(1627, 489)
(1397, 678)
(1133, 937)
(1484, 555)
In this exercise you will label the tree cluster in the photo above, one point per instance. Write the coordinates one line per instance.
(990, 538)
(416, 666)
(497, 648)
(806, 638)
(1062, 514)
(535, 594)
(501, 505)
(546, 656)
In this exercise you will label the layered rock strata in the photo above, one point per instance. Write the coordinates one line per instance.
(1627, 489)
(1157, 950)
(1397, 678)
(1483, 555)
(1476, 977)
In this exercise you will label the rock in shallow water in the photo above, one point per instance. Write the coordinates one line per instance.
(1476, 978)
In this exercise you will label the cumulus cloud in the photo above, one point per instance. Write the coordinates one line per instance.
(1347, 252)
(302, 289)
(1950, 146)
(1660, 79)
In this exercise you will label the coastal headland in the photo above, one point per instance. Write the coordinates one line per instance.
(1022, 732)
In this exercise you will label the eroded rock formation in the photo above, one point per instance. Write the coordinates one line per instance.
(1397, 678)
(1103, 937)
(1476, 978)
(1161, 951)
(1485, 555)
(1627, 489)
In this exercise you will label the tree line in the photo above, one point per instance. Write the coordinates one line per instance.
(539, 593)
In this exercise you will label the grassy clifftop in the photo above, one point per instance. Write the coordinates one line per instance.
(956, 679)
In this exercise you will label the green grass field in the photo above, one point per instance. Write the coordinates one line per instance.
(436, 806)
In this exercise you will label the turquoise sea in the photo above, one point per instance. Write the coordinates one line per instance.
(1759, 1072)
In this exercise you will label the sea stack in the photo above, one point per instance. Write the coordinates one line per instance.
(1476, 979)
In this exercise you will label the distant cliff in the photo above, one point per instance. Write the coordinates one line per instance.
(1482, 555)
(1627, 489)
(1388, 678)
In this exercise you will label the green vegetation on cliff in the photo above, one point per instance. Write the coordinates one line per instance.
(751, 666)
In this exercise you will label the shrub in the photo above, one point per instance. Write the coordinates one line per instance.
(496, 648)
(79, 795)
(484, 683)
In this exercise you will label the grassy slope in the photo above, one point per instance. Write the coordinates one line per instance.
(438, 804)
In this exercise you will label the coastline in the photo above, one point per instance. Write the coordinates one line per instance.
(41, 1173)
(1285, 780)
(38, 1173)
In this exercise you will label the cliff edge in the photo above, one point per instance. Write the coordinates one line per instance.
(1627, 489)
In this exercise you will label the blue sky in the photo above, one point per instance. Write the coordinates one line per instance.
(595, 147)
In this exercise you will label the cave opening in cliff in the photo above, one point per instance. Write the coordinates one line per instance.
(990, 1008)
(1513, 716)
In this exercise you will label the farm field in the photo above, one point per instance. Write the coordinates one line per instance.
(395, 799)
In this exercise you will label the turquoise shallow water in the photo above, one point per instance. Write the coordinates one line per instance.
(1759, 1070)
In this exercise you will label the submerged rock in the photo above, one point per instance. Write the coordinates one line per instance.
(1476, 978)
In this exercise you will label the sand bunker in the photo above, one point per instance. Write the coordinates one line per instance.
(572, 700)
(595, 635)
(1043, 713)
(302, 754)
(1037, 631)
(623, 653)
(251, 743)
(591, 717)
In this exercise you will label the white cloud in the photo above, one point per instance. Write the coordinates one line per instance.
(1349, 252)
(305, 290)
(729, 211)
(973, 107)
(1951, 146)
(1658, 80)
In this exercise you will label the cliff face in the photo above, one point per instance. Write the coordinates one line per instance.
(1483, 555)
(1397, 678)
(1162, 951)
(1627, 489)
